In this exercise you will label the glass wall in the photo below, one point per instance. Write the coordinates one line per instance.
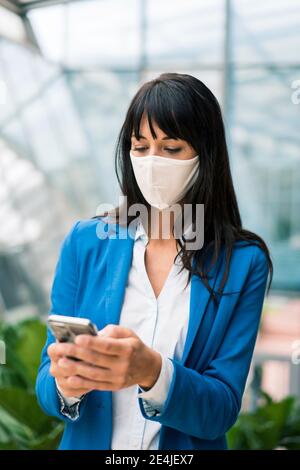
(64, 101)
(264, 126)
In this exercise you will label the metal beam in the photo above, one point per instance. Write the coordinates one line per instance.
(30, 34)
(227, 60)
(12, 6)
(42, 3)
(22, 8)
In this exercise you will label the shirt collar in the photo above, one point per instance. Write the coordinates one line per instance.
(141, 232)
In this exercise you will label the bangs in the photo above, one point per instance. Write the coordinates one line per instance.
(167, 110)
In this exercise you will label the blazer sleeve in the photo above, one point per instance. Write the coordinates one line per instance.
(63, 295)
(207, 404)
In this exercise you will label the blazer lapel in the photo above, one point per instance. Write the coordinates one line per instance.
(198, 302)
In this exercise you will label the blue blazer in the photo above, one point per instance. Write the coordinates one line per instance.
(205, 394)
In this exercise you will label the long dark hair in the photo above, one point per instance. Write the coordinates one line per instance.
(183, 107)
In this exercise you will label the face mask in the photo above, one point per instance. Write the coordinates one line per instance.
(164, 181)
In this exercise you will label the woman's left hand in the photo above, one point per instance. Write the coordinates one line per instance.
(115, 359)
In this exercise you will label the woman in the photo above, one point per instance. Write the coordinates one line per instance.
(178, 325)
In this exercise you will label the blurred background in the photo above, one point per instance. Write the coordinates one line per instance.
(68, 70)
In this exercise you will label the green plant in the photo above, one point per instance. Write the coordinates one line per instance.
(23, 425)
(272, 425)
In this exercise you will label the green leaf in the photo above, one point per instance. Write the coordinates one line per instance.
(23, 406)
(24, 342)
(23, 424)
(271, 425)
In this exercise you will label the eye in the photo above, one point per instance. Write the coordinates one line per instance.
(173, 150)
(142, 149)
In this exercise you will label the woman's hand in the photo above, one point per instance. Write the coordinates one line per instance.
(113, 360)
(57, 352)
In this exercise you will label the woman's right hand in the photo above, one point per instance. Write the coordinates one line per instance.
(57, 352)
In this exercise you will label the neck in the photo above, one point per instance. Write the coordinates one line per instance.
(160, 226)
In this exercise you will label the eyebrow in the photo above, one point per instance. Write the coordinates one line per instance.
(164, 138)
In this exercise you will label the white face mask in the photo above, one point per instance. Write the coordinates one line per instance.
(164, 181)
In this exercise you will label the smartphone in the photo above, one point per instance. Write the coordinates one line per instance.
(66, 328)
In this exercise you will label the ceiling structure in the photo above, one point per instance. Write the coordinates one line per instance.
(14, 24)
(22, 6)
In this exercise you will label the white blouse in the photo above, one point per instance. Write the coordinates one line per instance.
(161, 323)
